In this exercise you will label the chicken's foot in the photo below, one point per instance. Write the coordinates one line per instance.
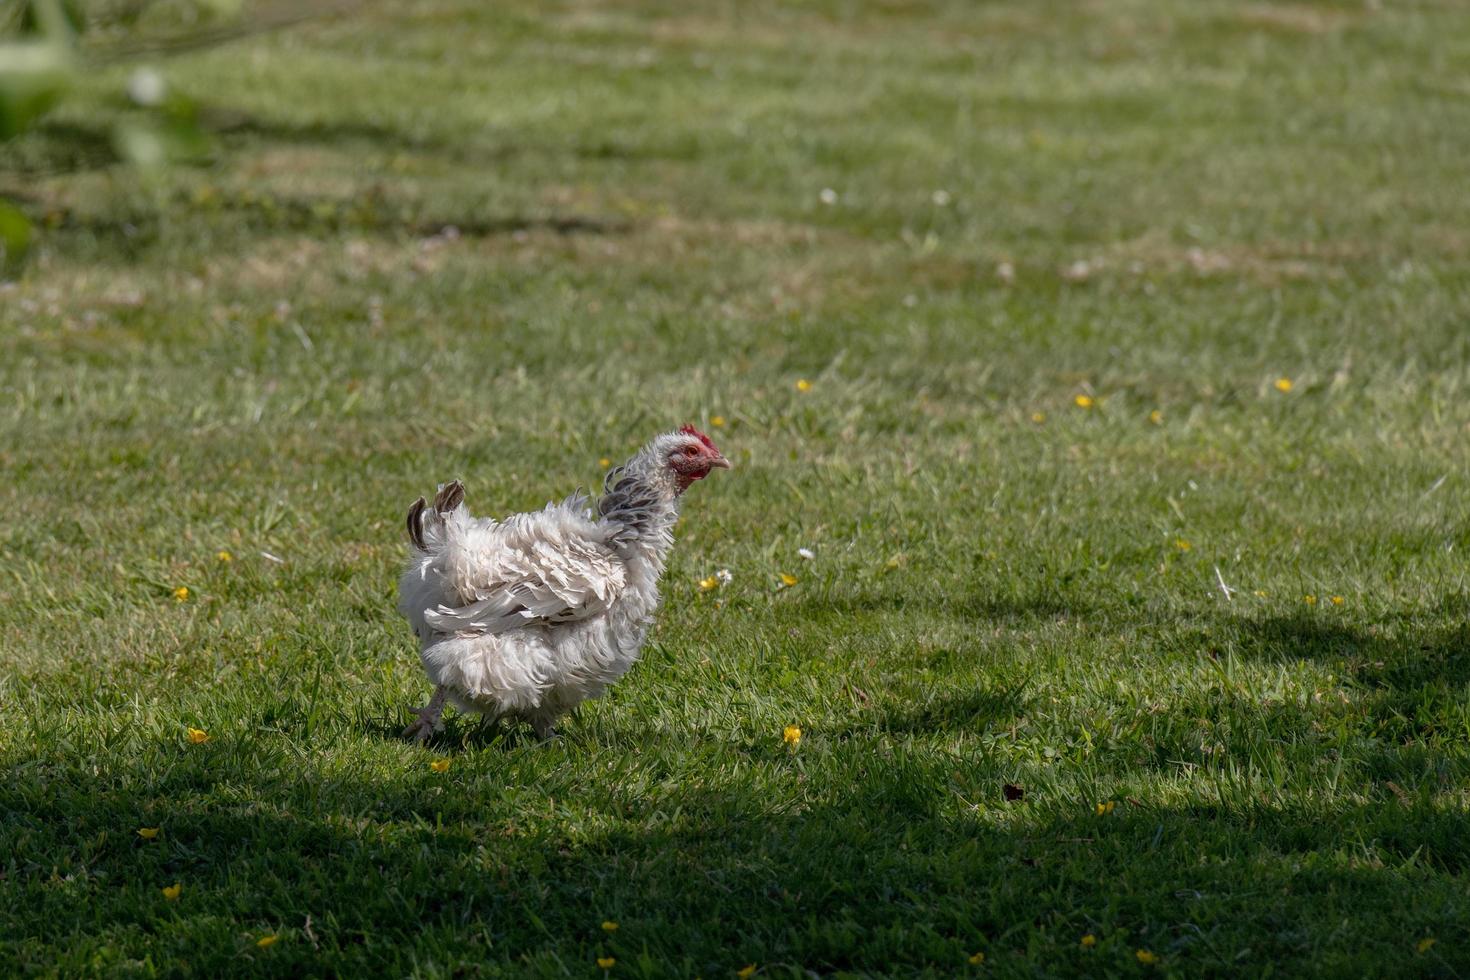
(429, 717)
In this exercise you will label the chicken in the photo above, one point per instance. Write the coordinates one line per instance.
(528, 617)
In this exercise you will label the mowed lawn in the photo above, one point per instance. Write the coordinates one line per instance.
(1112, 359)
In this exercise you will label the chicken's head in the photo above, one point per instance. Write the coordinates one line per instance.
(691, 454)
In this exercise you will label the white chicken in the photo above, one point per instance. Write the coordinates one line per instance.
(530, 616)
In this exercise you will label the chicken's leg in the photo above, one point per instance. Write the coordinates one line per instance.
(544, 725)
(428, 717)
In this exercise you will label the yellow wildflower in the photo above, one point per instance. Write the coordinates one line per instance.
(977, 959)
(224, 556)
(1038, 417)
(803, 384)
(604, 463)
(609, 926)
(745, 971)
(439, 765)
(198, 736)
(1089, 940)
(1424, 944)
(718, 421)
(1182, 545)
(171, 892)
(708, 584)
(1083, 401)
(1261, 593)
(1145, 957)
(606, 962)
(181, 594)
(1337, 600)
(791, 735)
(788, 580)
(1283, 385)
(1103, 808)
(265, 942)
(1156, 417)
(148, 833)
(1310, 600)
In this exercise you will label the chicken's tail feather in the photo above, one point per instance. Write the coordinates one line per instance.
(416, 524)
(449, 497)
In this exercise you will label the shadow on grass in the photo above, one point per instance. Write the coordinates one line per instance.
(64, 147)
(871, 865)
(233, 124)
(131, 228)
(1421, 651)
(477, 149)
(954, 711)
(1397, 701)
(57, 147)
(370, 213)
(461, 733)
(1404, 660)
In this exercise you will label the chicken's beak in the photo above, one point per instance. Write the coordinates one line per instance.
(720, 462)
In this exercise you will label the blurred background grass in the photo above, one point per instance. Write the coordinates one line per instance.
(393, 244)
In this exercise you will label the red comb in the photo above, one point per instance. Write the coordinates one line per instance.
(690, 430)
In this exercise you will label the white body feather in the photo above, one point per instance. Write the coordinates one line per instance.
(532, 615)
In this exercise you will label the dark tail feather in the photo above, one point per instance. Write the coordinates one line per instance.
(416, 524)
(450, 496)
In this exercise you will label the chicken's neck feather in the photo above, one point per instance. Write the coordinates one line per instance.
(640, 506)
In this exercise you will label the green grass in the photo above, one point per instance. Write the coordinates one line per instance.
(275, 351)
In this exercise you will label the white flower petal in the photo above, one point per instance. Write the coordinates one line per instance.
(146, 87)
